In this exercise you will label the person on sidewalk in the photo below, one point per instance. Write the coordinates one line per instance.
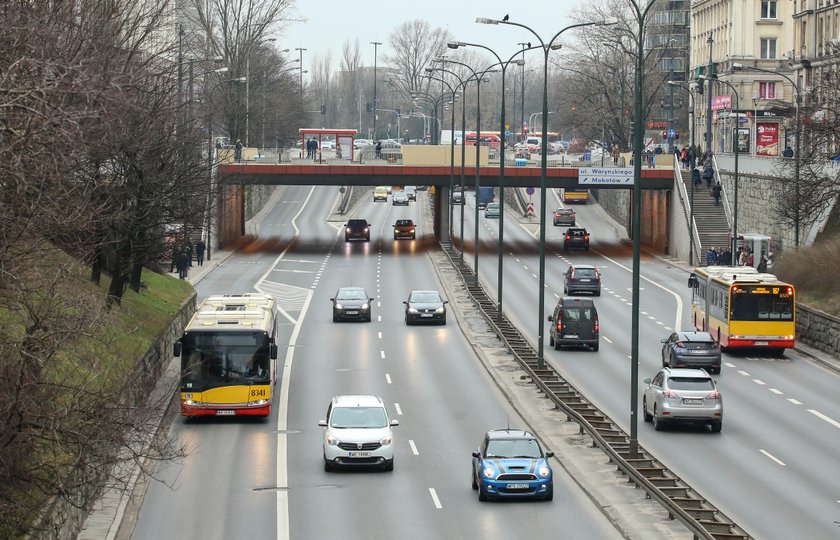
(711, 257)
(716, 193)
(695, 177)
(200, 248)
(708, 172)
(182, 266)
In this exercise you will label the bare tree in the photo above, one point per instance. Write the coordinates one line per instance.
(413, 45)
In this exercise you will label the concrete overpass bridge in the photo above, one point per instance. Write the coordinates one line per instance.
(233, 177)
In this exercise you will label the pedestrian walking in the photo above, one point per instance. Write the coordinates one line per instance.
(692, 157)
(708, 173)
(188, 253)
(378, 149)
(750, 259)
(238, 150)
(200, 248)
(695, 177)
(182, 266)
(616, 153)
(684, 158)
(173, 260)
(716, 193)
(762, 264)
(725, 256)
(711, 257)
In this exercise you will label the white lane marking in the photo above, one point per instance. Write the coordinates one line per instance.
(535, 276)
(771, 456)
(382, 354)
(556, 295)
(378, 304)
(435, 498)
(821, 416)
(525, 267)
(379, 318)
(388, 378)
(515, 259)
(777, 392)
(397, 407)
(729, 364)
(744, 373)
(795, 401)
(413, 447)
(659, 323)
(643, 312)
(759, 382)
(380, 335)
(607, 339)
(651, 317)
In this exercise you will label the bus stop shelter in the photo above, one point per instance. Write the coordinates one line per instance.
(343, 137)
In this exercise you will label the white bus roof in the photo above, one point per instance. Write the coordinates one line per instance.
(236, 300)
(737, 274)
(248, 312)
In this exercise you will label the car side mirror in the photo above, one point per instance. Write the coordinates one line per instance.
(322, 423)
(176, 348)
(476, 455)
(404, 302)
(273, 352)
(446, 301)
(395, 422)
(663, 341)
(647, 380)
(551, 318)
(549, 454)
(332, 299)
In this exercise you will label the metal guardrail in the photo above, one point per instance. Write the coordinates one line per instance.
(686, 204)
(682, 502)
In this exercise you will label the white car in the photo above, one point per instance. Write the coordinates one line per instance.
(357, 432)
(411, 191)
(327, 145)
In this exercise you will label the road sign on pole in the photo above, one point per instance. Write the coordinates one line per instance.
(529, 190)
(612, 176)
(529, 210)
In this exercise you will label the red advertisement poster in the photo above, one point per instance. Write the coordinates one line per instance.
(767, 140)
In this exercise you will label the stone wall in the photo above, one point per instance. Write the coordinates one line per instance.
(62, 520)
(256, 198)
(818, 329)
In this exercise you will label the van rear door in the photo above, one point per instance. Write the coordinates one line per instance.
(579, 323)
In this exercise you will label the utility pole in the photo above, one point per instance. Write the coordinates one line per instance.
(376, 45)
(711, 42)
(522, 88)
(300, 68)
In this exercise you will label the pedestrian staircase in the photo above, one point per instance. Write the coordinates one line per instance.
(712, 226)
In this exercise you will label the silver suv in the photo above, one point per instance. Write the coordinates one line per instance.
(682, 395)
(357, 432)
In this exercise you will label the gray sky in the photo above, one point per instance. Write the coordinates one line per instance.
(330, 23)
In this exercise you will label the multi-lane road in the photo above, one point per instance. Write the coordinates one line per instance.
(774, 468)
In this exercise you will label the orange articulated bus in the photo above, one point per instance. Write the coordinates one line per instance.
(228, 357)
(743, 308)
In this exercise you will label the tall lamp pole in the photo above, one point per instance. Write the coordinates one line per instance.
(451, 144)
(210, 152)
(547, 48)
(376, 45)
(300, 70)
(709, 68)
(796, 159)
(691, 195)
(734, 241)
(522, 91)
(502, 130)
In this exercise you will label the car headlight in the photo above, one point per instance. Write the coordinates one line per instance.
(440, 310)
(412, 310)
(366, 229)
(348, 229)
(338, 306)
(544, 471)
(365, 307)
(386, 440)
(332, 441)
(489, 472)
(258, 402)
(193, 403)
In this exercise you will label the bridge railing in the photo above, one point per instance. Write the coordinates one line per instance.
(686, 206)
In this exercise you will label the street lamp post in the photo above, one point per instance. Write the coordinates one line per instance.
(547, 48)
(709, 68)
(451, 145)
(502, 131)
(734, 241)
(376, 45)
(796, 159)
(691, 195)
(210, 153)
(300, 69)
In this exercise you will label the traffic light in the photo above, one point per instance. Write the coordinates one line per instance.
(676, 134)
(700, 86)
(664, 135)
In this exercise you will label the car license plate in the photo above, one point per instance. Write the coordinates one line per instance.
(425, 314)
(517, 486)
(359, 454)
(761, 343)
(698, 351)
(584, 280)
(225, 413)
(692, 402)
(352, 312)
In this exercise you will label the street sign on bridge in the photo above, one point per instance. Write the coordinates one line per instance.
(605, 176)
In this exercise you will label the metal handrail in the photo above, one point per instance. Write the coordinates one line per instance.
(692, 225)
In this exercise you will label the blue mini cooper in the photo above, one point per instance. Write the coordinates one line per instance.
(510, 463)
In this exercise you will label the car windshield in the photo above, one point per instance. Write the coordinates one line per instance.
(577, 232)
(513, 448)
(577, 314)
(404, 223)
(562, 211)
(424, 297)
(351, 294)
(358, 418)
(690, 383)
(584, 272)
(357, 223)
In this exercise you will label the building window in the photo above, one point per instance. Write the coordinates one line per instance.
(768, 48)
(768, 9)
(766, 90)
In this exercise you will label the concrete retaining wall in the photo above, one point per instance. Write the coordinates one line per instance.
(818, 329)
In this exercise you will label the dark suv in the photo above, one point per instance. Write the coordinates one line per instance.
(582, 278)
(564, 216)
(691, 350)
(357, 229)
(577, 238)
(574, 322)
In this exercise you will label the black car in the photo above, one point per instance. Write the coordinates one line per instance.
(574, 322)
(564, 216)
(582, 278)
(691, 350)
(576, 238)
(357, 229)
(425, 306)
(351, 303)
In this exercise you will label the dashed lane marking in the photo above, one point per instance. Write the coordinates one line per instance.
(821, 416)
(388, 378)
(397, 407)
(382, 354)
(759, 382)
(795, 401)
(435, 498)
(607, 339)
(413, 447)
(771, 456)
(777, 392)
(744, 373)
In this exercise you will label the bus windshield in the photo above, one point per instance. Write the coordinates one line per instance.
(213, 359)
(761, 303)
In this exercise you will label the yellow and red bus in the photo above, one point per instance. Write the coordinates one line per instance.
(580, 196)
(228, 356)
(743, 308)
